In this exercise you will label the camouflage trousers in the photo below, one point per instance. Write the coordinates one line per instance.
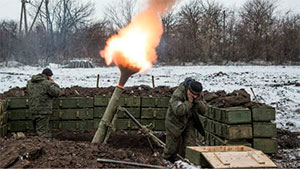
(41, 125)
(177, 145)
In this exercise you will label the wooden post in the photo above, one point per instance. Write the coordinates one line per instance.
(97, 85)
(153, 84)
(254, 95)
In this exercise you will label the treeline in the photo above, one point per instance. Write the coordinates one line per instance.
(198, 31)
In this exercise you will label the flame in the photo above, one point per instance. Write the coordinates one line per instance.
(134, 45)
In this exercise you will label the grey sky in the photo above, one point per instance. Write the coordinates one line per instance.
(10, 9)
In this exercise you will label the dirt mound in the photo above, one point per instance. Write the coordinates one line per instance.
(36, 152)
(218, 99)
(287, 139)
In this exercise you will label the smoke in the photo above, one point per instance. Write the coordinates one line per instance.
(161, 6)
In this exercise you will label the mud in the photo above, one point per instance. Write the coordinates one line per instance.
(73, 149)
(67, 150)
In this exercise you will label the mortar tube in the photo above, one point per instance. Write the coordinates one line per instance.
(108, 116)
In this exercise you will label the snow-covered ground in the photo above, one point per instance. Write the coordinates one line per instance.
(285, 98)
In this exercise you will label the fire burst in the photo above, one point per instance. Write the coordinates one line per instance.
(134, 45)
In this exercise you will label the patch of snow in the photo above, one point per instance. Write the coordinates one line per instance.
(285, 98)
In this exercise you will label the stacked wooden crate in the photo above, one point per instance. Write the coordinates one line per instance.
(19, 116)
(264, 130)
(147, 110)
(132, 104)
(3, 119)
(153, 112)
(241, 126)
(223, 126)
(73, 113)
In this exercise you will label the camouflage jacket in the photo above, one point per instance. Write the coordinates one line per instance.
(181, 112)
(41, 93)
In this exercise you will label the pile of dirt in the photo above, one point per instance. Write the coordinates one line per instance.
(62, 152)
(219, 99)
(287, 139)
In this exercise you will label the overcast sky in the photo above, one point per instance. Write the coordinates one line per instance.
(10, 9)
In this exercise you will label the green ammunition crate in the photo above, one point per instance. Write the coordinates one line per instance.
(263, 113)
(210, 126)
(1, 107)
(3, 130)
(19, 114)
(96, 122)
(75, 124)
(207, 137)
(196, 157)
(136, 112)
(217, 141)
(203, 120)
(264, 129)
(73, 102)
(72, 114)
(3, 118)
(154, 113)
(130, 101)
(155, 125)
(155, 102)
(101, 101)
(267, 145)
(99, 112)
(126, 124)
(234, 115)
(17, 102)
(232, 132)
(16, 126)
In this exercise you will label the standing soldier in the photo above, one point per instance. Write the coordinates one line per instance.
(181, 118)
(42, 89)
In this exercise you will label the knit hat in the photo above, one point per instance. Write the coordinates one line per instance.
(47, 72)
(195, 87)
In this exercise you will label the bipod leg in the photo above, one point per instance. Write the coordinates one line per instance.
(151, 146)
(111, 128)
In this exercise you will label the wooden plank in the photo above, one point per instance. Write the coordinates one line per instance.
(236, 159)
(19, 114)
(228, 157)
(267, 145)
(72, 114)
(17, 102)
(263, 113)
(264, 129)
(154, 113)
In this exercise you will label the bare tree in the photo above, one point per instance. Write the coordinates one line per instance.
(8, 40)
(119, 14)
(257, 22)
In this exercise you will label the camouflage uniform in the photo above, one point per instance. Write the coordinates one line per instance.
(41, 93)
(181, 120)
